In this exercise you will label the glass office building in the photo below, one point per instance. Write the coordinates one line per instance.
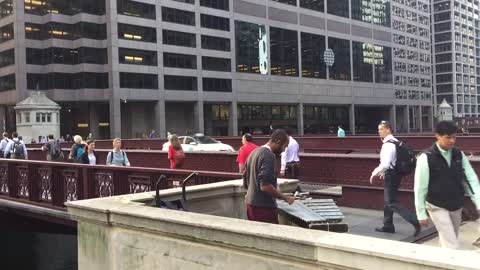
(222, 67)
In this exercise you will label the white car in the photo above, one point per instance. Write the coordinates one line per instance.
(200, 142)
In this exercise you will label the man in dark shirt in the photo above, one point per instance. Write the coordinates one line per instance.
(260, 180)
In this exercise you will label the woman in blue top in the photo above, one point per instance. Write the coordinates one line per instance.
(117, 157)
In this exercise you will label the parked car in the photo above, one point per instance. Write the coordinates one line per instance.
(200, 142)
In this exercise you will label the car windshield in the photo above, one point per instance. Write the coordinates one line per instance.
(205, 140)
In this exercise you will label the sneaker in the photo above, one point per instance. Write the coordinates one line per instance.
(385, 229)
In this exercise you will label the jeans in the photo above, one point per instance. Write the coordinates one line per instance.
(391, 203)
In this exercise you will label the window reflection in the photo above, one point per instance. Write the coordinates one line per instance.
(283, 52)
(362, 61)
(341, 67)
(383, 64)
(313, 64)
(338, 7)
(251, 48)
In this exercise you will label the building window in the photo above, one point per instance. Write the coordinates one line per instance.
(185, 83)
(382, 61)
(338, 7)
(66, 56)
(313, 4)
(218, 4)
(283, 52)
(7, 58)
(6, 8)
(341, 67)
(27, 117)
(176, 60)
(71, 7)
(217, 85)
(137, 57)
(251, 48)
(67, 81)
(137, 33)
(362, 61)
(6, 33)
(179, 38)
(66, 31)
(215, 22)
(136, 9)
(216, 64)
(288, 2)
(313, 47)
(178, 16)
(186, 1)
(138, 80)
(7, 82)
(215, 43)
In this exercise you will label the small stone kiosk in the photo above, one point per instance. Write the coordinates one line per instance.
(37, 116)
(445, 111)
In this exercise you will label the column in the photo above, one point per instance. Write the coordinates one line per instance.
(2, 119)
(393, 118)
(352, 119)
(115, 118)
(199, 121)
(407, 117)
(160, 123)
(233, 120)
(420, 118)
(300, 119)
(93, 120)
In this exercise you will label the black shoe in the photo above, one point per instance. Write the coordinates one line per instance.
(418, 229)
(385, 230)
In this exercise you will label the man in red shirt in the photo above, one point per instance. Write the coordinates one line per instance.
(245, 151)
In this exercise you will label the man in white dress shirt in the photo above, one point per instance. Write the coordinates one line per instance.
(290, 163)
(385, 171)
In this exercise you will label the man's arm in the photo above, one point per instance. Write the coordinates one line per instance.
(241, 167)
(25, 151)
(270, 189)
(387, 154)
(472, 184)
(422, 179)
(7, 149)
(283, 161)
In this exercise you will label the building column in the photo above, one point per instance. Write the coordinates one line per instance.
(115, 118)
(233, 119)
(93, 120)
(407, 117)
(2, 119)
(160, 123)
(393, 118)
(352, 119)
(300, 129)
(420, 118)
(199, 120)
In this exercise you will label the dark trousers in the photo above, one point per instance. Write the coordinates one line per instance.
(262, 214)
(391, 203)
(292, 170)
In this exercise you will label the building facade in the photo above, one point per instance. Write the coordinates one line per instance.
(457, 55)
(222, 67)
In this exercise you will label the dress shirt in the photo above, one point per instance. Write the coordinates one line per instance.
(422, 179)
(3, 144)
(388, 156)
(10, 145)
(340, 133)
(290, 154)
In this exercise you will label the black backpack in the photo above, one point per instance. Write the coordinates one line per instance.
(406, 159)
(55, 150)
(17, 151)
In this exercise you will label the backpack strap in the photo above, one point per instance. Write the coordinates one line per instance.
(396, 143)
(111, 157)
(123, 154)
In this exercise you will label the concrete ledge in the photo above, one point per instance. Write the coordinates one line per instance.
(174, 239)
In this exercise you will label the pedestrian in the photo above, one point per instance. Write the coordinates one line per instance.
(77, 149)
(89, 156)
(117, 157)
(153, 134)
(442, 178)
(386, 172)
(290, 162)
(340, 132)
(43, 139)
(53, 149)
(175, 152)
(260, 180)
(90, 137)
(15, 149)
(247, 147)
(3, 144)
(68, 138)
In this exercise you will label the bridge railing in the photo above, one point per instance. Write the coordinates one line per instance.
(51, 184)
